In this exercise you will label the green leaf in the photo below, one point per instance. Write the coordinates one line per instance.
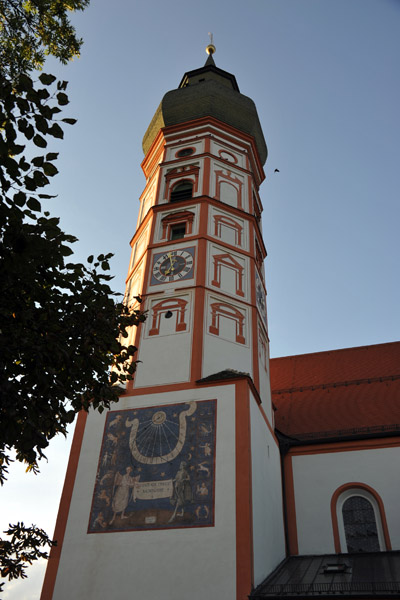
(41, 124)
(40, 179)
(39, 141)
(23, 105)
(24, 165)
(20, 198)
(50, 169)
(34, 204)
(47, 79)
(38, 161)
(52, 155)
(69, 121)
(62, 99)
(56, 131)
(90, 259)
(43, 94)
(30, 184)
(105, 266)
(25, 82)
(17, 149)
(66, 250)
(29, 131)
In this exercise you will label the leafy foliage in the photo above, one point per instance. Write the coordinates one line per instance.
(58, 320)
(21, 549)
(62, 332)
(32, 29)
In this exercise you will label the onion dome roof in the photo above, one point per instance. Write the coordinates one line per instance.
(208, 91)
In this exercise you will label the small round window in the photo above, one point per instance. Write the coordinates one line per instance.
(185, 152)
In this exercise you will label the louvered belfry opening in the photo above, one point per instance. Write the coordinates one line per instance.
(182, 191)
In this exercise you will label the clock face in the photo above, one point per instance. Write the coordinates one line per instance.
(173, 265)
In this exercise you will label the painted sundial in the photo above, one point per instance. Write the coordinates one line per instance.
(156, 468)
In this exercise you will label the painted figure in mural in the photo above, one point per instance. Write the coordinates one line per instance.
(182, 493)
(202, 490)
(121, 492)
(99, 521)
(206, 448)
(203, 468)
(103, 496)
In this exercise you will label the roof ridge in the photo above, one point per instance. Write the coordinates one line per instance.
(335, 384)
(366, 346)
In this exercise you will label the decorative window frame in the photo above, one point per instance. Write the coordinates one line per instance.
(179, 175)
(177, 218)
(228, 177)
(175, 305)
(263, 353)
(365, 491)
(230, 262)
(222, 220)
(192, 148)
(221, 152)
(259, 257)
(219, 309)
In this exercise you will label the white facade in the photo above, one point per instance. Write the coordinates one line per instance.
(318, 476)
(152, 564)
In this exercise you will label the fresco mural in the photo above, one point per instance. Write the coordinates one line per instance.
(156, 469)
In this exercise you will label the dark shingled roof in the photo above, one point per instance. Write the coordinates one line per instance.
(341, 393)
(208, 92)
(367, 575)
(226, 374)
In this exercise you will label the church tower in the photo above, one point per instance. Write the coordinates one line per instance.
(176, 491)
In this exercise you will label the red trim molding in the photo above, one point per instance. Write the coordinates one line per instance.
(65, 502)
(244, 513)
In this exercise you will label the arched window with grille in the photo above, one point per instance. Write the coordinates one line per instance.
(358, 519)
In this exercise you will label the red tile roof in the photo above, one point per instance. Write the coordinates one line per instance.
(337, 393)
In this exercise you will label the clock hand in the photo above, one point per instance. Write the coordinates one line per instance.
(172, 260)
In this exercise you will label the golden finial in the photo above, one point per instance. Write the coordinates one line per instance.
(210, 48)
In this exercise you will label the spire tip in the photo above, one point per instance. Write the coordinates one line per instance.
(210, 49)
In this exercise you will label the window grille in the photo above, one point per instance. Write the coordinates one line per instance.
(360, 525)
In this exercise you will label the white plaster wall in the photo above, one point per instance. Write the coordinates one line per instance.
(220, 352)
(176, 210)
(220, 147)
(194, 563)
(318, 476)
(268, 528)
(139, 247)
(196, 162)
(263, 371)
(228, 280)
(227, 234)
(172, 150)
(166, 357)
(147, 199)
(236, 174)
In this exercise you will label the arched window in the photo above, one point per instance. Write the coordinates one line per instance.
(358, 519)
(360, 525)
(182, 191)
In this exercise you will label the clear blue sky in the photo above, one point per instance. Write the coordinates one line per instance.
(325, 79)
